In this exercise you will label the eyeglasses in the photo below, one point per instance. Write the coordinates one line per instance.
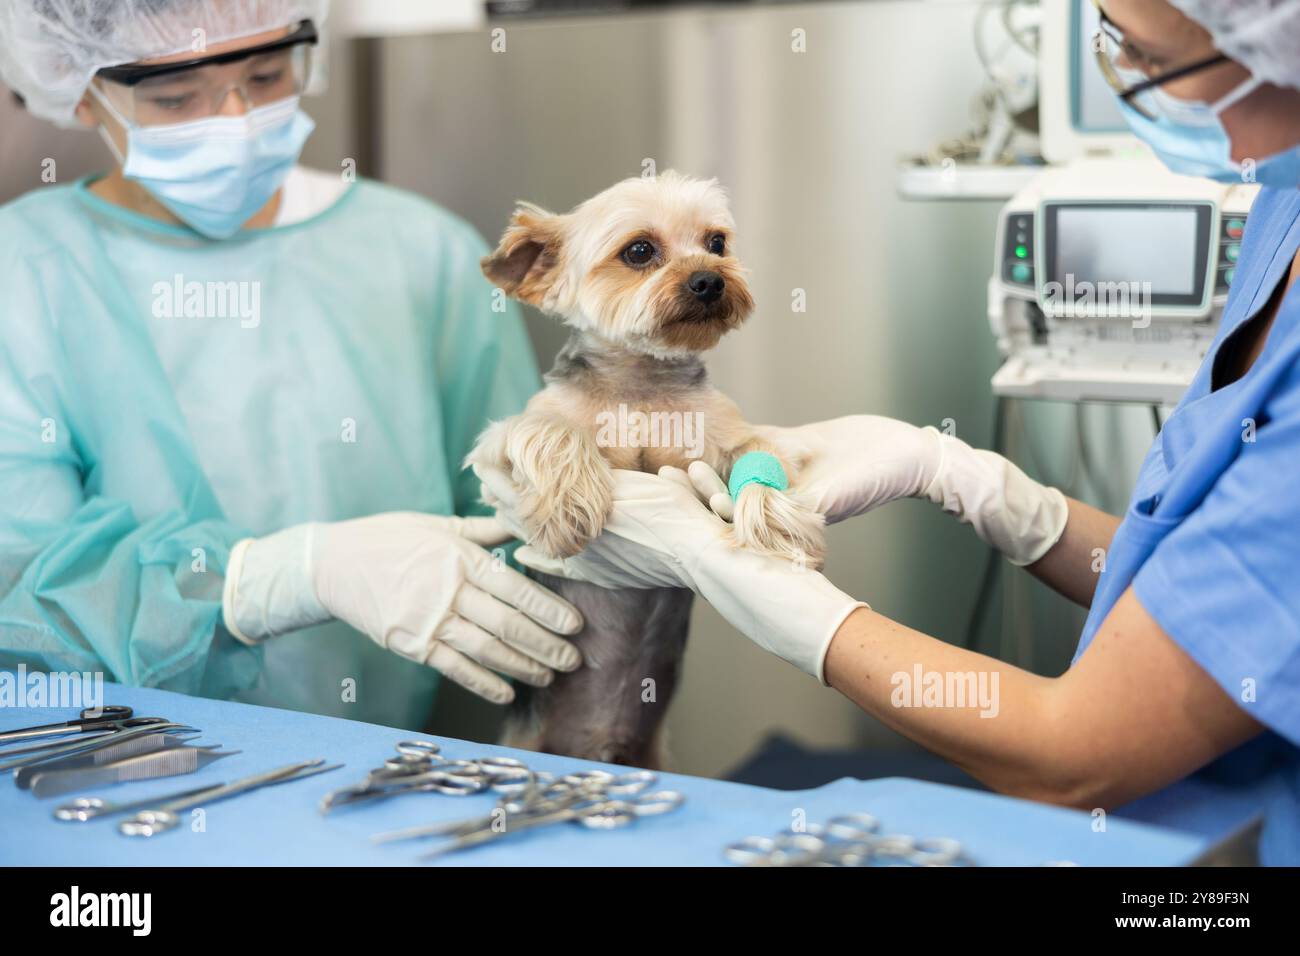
(158, 94)
(1110, 47)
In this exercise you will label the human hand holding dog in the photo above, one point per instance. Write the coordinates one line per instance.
(422, 586)
(860, 462)
(660, 534)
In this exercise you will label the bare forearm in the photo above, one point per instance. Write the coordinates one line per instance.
(1001, 733)
(1133, 714)
(1072, 565)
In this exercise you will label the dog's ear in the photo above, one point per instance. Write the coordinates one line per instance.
(526, 262)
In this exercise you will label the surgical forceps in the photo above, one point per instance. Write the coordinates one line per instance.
(149, 766)
(108, 754)
(138, 727)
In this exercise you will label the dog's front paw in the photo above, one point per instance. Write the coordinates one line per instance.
(562, 522)
(566, 491)
(549, 478)
(780, 524)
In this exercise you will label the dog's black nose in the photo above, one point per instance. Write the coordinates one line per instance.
(706, 286)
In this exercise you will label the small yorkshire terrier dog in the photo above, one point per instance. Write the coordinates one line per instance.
(645, 274)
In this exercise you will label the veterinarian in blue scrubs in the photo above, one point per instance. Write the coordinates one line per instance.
(1182, 704)
(211, 357)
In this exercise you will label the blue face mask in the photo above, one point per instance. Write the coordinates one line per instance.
(1190, 139)
(216, 173)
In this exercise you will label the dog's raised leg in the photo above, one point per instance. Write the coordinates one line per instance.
(564, 487)
(778, 522)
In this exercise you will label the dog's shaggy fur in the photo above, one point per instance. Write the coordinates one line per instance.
(646, 276)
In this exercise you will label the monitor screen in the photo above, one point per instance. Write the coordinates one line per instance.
(1094, 107)
(1160, 248)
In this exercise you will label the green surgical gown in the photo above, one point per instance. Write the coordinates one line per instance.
(163, 396)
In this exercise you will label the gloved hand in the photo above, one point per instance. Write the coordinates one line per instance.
(611, 561)
(420, 585)
(660, 534)
(859, 462)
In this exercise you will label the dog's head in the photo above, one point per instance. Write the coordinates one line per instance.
(647, 263)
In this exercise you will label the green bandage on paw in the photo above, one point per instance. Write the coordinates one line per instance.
(756, 467)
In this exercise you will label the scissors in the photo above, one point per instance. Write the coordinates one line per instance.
(91, 719)
(850, 840)
(534, 794)
(593, 809)
(419, 767)
(166, 815)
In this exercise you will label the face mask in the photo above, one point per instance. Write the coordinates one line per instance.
(216, 173)
(1189, 138)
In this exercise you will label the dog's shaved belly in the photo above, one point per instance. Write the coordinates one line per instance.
(612, 708)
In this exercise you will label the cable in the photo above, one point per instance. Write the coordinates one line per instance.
(1025, 37)
(1155, 416)
(992, 97)
(982, 54)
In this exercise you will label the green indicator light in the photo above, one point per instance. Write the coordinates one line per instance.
(1021, 252)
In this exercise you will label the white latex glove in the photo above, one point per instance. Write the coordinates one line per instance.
(860, 462)
(661, 534)
(611, 561)
(420, 585)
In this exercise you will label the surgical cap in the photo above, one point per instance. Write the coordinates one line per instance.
(50, 49)
(1261, 35)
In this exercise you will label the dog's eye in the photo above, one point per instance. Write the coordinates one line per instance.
(639, 253)
(718, 244)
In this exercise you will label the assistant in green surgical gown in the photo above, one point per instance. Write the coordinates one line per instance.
(337, 367)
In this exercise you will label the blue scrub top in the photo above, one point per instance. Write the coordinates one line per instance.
(1211, 546)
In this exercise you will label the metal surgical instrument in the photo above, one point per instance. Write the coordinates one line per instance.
(150, 766)
(595, 799)
(379, 785)
(110, 753)
(85, 809)
(849, 840)
(162, 817)
(419, 767)
(591, 809)
(149, 725)
(527, 799)
(90, 719)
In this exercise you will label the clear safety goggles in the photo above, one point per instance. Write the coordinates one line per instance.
(161, 94)
(1130, 73)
